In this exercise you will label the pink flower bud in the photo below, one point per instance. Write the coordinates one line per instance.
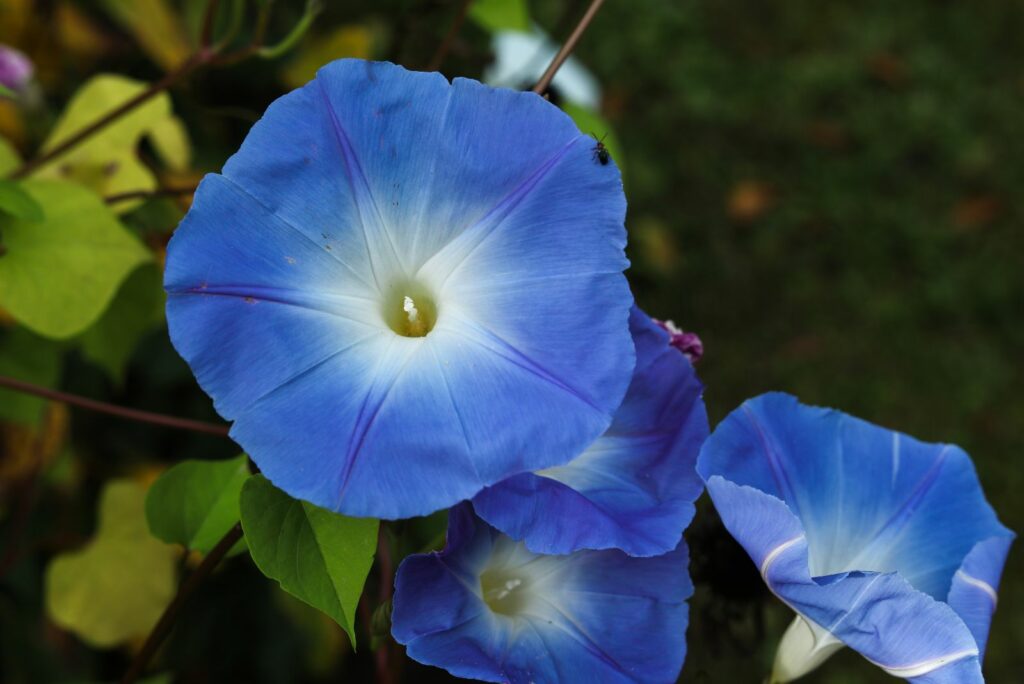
(686, 342)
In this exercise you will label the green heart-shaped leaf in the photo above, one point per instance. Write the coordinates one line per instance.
(195, 503)
(316, 555)
(17, 203)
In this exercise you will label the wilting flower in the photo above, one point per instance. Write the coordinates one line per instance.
(15, 68)
(402, 290)
(877, 541)
(632, 489)
(487, 608)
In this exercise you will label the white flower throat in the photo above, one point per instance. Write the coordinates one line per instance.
(504, 593)
(409, 308)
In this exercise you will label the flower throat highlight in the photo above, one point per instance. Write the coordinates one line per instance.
(410, 310)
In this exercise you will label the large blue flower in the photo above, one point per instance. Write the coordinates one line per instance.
(487, 608)
(878, 541)
(632, 489)
(402, 290)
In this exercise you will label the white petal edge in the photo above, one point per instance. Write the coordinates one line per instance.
(774, 554)
(980, 584)
(923, 668)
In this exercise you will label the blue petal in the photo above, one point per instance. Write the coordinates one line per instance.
(262, 299)
(634, 488)
(869, 498)
(861, 530)
(365, 180)
(897, 627)
(973, 594)
(597, 615)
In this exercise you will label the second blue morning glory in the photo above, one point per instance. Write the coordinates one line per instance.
(634, 487)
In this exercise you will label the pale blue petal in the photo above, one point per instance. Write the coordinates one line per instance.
(250, 315)
(974, 594)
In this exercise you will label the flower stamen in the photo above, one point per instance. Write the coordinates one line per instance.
(417, 328)
(504, 594)
(409, 309)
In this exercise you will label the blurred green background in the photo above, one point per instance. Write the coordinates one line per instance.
(828, 192)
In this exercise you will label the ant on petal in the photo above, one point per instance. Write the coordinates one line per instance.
(601, 154)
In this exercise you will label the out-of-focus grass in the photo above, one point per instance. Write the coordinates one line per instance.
(831, 194)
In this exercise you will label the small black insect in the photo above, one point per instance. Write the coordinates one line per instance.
(601, 154)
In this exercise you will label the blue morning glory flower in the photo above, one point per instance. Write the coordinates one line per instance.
(487, 608)
(402, 290)
(632, 489)
(877, 541)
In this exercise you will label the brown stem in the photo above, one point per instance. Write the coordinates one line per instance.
(166, 621)
(113, 409)
(446, 44)
(382, 664)
(385, 569)
(209, 15)
(567, 48)
(147, 194)
(200, 58)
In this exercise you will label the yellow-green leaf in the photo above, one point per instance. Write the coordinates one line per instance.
(17, 203)
(137, 309)
(345, 41)
(58, 275)
(115, 588)
(155, 26)
(501, 15)
(9, 159)
(108, 161)
(170, 139)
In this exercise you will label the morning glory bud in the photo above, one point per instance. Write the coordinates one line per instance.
(15, 68)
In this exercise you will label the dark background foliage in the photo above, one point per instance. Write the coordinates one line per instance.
(828, 192)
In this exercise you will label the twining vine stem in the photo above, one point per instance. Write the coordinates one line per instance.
(446, 44)
(385, 568)
(148, 194)
(191, 64)
(570, 44)
(166, 621)
(113, 409)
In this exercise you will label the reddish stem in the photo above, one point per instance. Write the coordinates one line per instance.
(446, 44)
(113, 409)
(570, 45)
(166, 621)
